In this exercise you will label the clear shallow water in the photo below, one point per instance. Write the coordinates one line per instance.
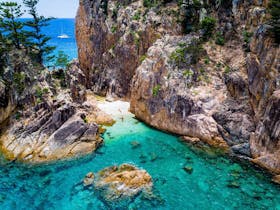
(54, 186)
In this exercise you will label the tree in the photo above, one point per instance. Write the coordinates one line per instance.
(274, 8)
(10, 12)
(38, 41)
(208, 25)
(62, 59)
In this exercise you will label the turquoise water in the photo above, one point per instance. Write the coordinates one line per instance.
(213, 184)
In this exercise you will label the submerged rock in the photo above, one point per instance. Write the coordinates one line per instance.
(117, 183)
(89, 179)
(188, 169)
(233, 184)
(135, 144)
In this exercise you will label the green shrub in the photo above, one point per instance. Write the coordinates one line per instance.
(45, 90)
(188, 73)
(19, 79)
(39, 93)
(149, 3)
(17, 115)
(114, 29)
(227, 69)
(274, 9)
(137, 15)
(156, 90)
(190, 19)
(220, 40)
(142, 58)
(179, 56)
(208, 25)
(247, 36)
(62, 59)
(85, 120)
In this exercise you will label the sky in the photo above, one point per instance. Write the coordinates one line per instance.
(55, 8)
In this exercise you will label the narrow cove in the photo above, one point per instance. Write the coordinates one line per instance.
(211, 181)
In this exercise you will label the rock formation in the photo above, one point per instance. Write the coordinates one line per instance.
(57, 125)
(113, 36)
(223, 93)
(119, 183)
(17, 77)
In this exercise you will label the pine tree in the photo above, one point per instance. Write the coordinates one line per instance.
(11, 26)
(38, 41)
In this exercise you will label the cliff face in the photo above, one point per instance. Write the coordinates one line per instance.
(17, 77)
(113, 35)
(57, 120)
(225, 94)
(264, 77)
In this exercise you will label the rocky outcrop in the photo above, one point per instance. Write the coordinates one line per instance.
(165, 96)
(62, 123)
(113, 35)
(51, 130)
(263, 69)
(265, 141)
(119, 183)
(264, 76)
(223, 95)
(15, 82)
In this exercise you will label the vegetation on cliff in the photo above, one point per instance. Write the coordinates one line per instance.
(274, 8)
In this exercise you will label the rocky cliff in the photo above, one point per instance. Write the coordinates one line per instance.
(48, 115)
(223, 90)
(16, 77)
(113, 37)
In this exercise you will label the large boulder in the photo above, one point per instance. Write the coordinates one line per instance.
(124, 182)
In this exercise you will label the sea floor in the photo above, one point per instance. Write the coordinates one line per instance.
(212, 182)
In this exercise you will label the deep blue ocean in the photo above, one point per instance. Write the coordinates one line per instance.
(58, 27)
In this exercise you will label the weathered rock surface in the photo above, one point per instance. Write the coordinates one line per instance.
(63, 122)
(265, 141)
(49, 132)
(113, 35)
(164, 97)
(16, 82)
(122, 182)
(225, 98)
(263, 70)
(264, 76)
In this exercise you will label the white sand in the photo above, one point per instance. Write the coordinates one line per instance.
(115, 108)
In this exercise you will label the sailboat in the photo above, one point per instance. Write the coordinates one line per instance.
(63, 35)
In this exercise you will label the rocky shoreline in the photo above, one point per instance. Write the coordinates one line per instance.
(223, 92)
(225, 95)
